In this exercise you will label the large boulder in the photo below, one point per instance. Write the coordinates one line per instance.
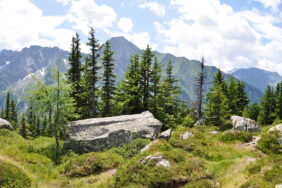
(244, 124)
(98, 134)
(4, 124)
(277, 128)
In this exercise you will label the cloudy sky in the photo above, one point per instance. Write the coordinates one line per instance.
(229, 33)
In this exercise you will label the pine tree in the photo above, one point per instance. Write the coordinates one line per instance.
(145, 68)
(38, 132)
(7, 111)
(267, 114)
(219, 80)
(23, 128)
(242, 97)
(108, 81)
(31, 120)
(74, 72)
(14, 115)
(278, 100)
(232, 96)
(155, 87)
(254, 111)
(92, 75)
(200, 82)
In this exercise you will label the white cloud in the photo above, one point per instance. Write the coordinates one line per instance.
(227, 38)
(273, 4)
(23, 24)
(63, 2)
(86, 13)
(125, 24)
(155, 7)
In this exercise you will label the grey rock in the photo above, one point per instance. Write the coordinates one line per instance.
(213, 132)
(278, 186)
(186, 135)
(279, 129)
(166, 134)
(148, 146)
(98, 134)
(244, 124)
(199, 122)
(4, 124)
(158, 158)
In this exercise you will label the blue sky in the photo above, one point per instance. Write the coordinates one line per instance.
(229, 33)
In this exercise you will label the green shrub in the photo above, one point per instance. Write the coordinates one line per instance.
(12, 176)
(91, 163)
(269, 144)
(188, 121)
(232, 136)
(127, 151)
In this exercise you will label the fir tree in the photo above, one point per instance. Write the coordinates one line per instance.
(278, 100)
(232, 95)
(92, 72)
(145, 68)
(242, 97)
(38, 132)
(23, 128)
(31, 120)
(108, 81)
(254, 111)
(14, 115)
(267, 114)
(219, 80)
(7, 111)
(200, 82)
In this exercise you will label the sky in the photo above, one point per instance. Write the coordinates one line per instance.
(230, 34)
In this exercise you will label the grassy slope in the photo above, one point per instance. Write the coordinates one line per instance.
(220, 164)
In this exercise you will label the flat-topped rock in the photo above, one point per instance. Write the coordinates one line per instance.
(98, 134)
(4, 124)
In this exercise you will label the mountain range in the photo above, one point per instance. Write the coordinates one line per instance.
(16, 68)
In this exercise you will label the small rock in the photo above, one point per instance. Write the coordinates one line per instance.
(158, 158)
(278, 186)
(186, 135)
(244, 124)
(199, 122)
(166, 134)
(148, 146)
(213, 132)
(4, 124)
(164, 163)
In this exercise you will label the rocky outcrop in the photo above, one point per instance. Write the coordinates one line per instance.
(166, 134)
(277, 128)
(157, 158)
(98, 134)
(186, 135)
(244, 124)
(199, 122)
(4, 124)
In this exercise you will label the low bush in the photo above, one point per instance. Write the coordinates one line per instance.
(232, 136)
(269, 144)
(12, 176)
(188, 121)
(91, 163)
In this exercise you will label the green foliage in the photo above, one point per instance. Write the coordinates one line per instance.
(91, 163)
(234, 136)
(12, 176)
(254, 111)
(267, 114)
(188, 121)
(269, 144)
(127, 151)
(23, 128)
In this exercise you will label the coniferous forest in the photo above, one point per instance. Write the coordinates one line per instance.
(202, 146)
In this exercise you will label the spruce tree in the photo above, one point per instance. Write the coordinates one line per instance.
(219, 80)
(145, 68)
(254, 111)
(14, 115)
(232, 96)
(108, 81)
(92, 75)
(74, 72)
(267, 114)
(7, 111)
(242, 97)
(278, 100)
(31, 120)
(23, 127)
(199, 87)
(155, 87)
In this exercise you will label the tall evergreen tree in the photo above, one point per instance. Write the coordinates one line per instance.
(254, 111)
(23, 127)
(108, 81)
(145, 67)
(7, 111)
(232, 96)
(242, 97)
(74, 72)
(93, 69)
(31, 120)
(267, 114)
(14, 115)
(278, 100)
(200, 82)
(219, 80)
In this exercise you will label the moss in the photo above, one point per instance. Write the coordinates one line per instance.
(12, 176)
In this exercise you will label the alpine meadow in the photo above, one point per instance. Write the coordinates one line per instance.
(142, 93)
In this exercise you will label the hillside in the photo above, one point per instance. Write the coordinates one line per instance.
(16, 67)
(204, 160)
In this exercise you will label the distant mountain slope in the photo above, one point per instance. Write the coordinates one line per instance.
(15, 68)
(257, 77)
